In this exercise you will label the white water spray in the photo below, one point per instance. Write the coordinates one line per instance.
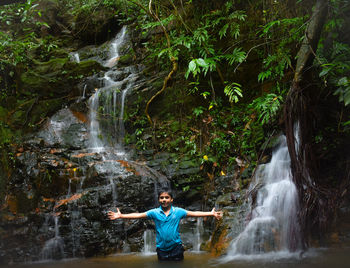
(53, 248)
(115, 48)
(95, 141)
(198, 235)
(75, 57)
(273, 226)
(149, 247)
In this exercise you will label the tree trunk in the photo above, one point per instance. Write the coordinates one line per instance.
(315, 202)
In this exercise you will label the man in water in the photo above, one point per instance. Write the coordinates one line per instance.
(167, 219)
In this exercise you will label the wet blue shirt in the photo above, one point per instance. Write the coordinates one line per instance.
(167, 227)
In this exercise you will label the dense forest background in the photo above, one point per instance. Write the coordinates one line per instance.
(229, 77)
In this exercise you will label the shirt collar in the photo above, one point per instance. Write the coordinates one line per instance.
(171, 210)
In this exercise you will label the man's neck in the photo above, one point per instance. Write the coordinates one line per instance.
(166, 210)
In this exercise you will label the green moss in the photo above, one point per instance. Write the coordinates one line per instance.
(50, 66)
(3, 113)
(127, 58)
(19, 117)
(33, 82)
(45, 108)
(56, 77)
(86, 68)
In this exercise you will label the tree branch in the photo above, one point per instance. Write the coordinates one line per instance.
(310, 41)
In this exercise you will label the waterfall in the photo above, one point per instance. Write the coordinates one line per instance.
(114, 191)
(95, 141)
(108, 102)
(273, 226)
(115, 48)
(84, 92)
(198, 235)
(149, 247)
(53, 248)
(75, 57)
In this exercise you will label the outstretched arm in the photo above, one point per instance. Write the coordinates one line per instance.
(213, 213)
(118, 215)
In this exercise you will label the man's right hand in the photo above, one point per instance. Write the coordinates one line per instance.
(114, 215)
(217, 214)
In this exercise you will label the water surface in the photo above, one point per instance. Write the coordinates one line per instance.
(320, 258)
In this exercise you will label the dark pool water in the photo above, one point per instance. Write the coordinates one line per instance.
(320, 258)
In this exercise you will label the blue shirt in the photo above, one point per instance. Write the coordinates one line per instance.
(167, 227)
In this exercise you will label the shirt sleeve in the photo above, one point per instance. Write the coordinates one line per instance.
(150, 214)
(181, 212)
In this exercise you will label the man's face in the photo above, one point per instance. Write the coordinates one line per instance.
(165, 200)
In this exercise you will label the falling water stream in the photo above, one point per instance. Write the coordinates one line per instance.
(107, 103)
(273, 227)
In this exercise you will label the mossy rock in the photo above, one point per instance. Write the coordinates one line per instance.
(95, 27)
(19, 117)
(50, 66)
(87, 68)
(126, 60)
(168, 103)
(45, 108)
(219, 240)
(189, 164)
(224, 200)
(32, 111)
(57, 77)
(50, 184)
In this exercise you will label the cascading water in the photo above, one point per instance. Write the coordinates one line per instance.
(75, 57)
(107, 103)
(273, 226)
(115, 48)
(54, 247)
(149, 246)
(198, 235)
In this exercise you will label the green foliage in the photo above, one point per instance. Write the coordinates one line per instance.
(19, 44)
(198, 66)
(233, 91)
(267, 107)
(343, 90)
(220, 145)
(141, 142)
(197, 41)
(334, 52)
(336, 70)
(153, 24)
(237, 56)
(22, 13)
(275, 65)
(269, 28)
(280, 35)
(79, 6)
(14, 51)
(197, 111)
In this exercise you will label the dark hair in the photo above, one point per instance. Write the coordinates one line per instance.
(165, 190)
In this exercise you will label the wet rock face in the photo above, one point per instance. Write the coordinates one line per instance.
(66, 191)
